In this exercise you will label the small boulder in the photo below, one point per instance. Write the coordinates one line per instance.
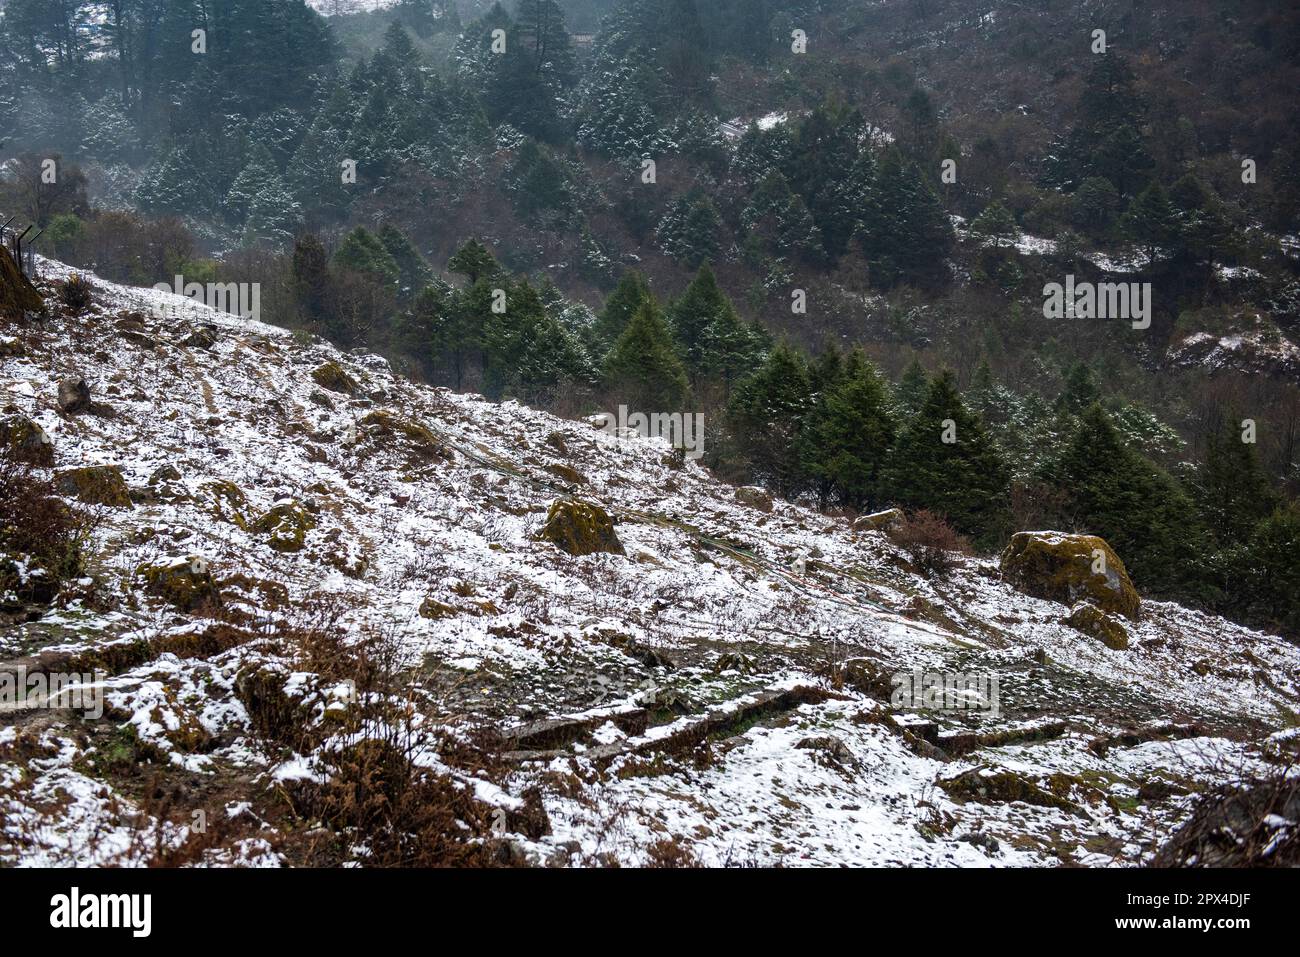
(418, 440)
(580, 528)
(1090, 620)
(1069, 568)
(567, 474)
(754, 497)
(27, 441)
(74, 396)
(287, 524)
(95, 485)
(886, 521)
(184, 582)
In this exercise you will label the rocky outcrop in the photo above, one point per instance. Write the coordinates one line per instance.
(331, 376)
(580, 528)
(17, 295)
(184, 582)
(1069, 568)
(886, 521)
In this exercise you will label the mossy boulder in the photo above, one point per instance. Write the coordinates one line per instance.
(287, 524)
(382, 424)
(754, 497)
(331, 376)
(95, 485)
(26, 441)
(1068, 569)
(580, 528)
(1090, 620)
(184, 582)
(886, 521)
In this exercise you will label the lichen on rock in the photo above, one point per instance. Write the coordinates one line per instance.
(184, 582)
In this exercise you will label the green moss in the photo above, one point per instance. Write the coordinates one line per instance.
(331, 376)
(95, 485)
(1070, 568)
(287, 524)
(228, 502)
(382, 423)
(1092, 621)
(580, 528)
(185, 583)
(27, 441)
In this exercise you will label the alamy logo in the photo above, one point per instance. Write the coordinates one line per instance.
(1103, 300)
(680, 431)
(84, 692)
(73, 910)
(945, 691)
(243, 299)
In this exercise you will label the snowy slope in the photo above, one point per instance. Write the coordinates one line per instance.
(711, 680)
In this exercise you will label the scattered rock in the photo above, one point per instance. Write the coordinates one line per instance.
(754, 497)
(419, 440)
(95, 485)
(229, 504)
(1090, 620)
(580, 528)
(1068, 568)
(567, 474)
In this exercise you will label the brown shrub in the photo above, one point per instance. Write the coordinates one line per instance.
(929, 541)
(37, 525)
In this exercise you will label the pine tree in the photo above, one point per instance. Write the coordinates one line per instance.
(996, 224)
(766, 416)
(944, 461)
(474, 261)
(1134, 505)
(851, 433)
(627, 298)
(1149, 222)
(1231, 490)
(1080, 390)
(912, 389)
(907, 232)
(689, 231)
(361, 252)
(413, 271)
(643, 369)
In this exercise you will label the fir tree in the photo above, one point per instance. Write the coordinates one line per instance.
(643, 369)
(944, 461)
(766, 417)
(851, 434)
(627, 298)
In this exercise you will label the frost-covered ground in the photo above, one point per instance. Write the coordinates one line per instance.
(717, 688)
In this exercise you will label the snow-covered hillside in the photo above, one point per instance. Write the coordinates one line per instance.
(720, 692)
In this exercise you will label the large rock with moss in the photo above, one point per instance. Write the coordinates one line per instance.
(95, 485)
(26, 441)
(332, 376)
(1069, 568)
(1086, 618)
(580, 528)
(227, 502)
(184, 582)
(286, 524)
